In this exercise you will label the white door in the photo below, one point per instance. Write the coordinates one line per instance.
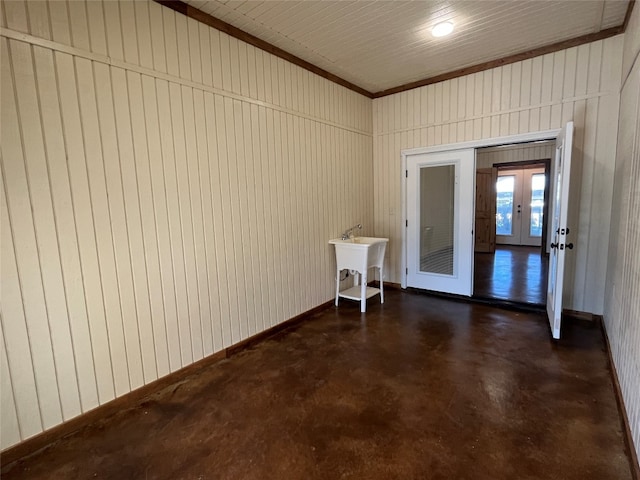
(560, 243)
(440, 196)
(519, 206)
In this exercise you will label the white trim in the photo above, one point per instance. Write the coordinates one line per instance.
(488, 142)
(114, 62)
(403, 254)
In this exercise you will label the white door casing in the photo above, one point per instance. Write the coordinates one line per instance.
(457, 276)
(559, 229)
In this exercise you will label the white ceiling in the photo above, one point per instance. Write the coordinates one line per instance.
(383, 44)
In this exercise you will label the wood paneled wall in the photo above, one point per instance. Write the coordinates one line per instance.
(487, 157)
(622, 299)
(167, 191)
(580, 84)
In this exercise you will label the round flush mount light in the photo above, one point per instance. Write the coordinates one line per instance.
(442, 29)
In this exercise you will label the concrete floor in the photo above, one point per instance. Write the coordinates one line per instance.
(419, 387)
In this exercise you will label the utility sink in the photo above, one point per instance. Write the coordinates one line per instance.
(359, 254)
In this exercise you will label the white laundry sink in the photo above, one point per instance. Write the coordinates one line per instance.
(359, 254)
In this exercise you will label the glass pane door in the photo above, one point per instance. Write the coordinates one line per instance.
(439, 224)
(437, 197)
(519, 206)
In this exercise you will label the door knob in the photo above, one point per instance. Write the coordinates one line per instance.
(555, 245)
(570, 246)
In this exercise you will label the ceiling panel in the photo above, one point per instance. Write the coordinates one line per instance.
(383, 44)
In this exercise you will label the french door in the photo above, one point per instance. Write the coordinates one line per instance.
(440, 221)
(519, 206)
(559, 228)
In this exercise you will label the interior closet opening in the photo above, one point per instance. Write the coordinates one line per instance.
(511, 222)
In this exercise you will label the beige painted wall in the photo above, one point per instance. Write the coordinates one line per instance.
(622, 299)
(580, 84)
(167, 191)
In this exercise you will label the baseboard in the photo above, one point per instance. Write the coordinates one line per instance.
(577, 315)
(387, 285)
(626, 426)
(276, 329)
(132, 399)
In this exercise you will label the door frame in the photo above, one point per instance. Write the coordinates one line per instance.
(489, 142)
(525, 164)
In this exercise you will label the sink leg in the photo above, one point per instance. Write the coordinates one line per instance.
(381, 286)
(363, 293)
(337, 286)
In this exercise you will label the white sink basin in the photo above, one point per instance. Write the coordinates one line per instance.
(359, 254)
(358, 240)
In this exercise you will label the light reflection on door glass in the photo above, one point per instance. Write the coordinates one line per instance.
(504, 205)
(437, 218)
(537, 204)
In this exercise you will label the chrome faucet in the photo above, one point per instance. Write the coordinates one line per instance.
(347, 234)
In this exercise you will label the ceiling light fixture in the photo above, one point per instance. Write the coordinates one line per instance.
(442, 29)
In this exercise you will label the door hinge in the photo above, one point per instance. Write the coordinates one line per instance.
(406, 173)
(406, 270)
(406, 223)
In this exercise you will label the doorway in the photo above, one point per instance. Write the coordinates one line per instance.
(519, 205)
(513, 192)
(556, 242)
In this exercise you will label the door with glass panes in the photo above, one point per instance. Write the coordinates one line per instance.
(520, 206)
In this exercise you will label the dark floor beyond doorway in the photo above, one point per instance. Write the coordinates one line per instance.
(419, 387)
(514, 273)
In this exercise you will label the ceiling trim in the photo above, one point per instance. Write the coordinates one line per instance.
(518, 57)
(229, 29)
(627, 17)
(235, 32)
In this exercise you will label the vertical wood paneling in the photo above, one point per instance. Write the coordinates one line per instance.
(88, 301)
(622, 302)
(18, 350)
(46, 69)
(169, 114)
(142, 331)
(21, 222)
(201, 187)
(150, 220)
(9, 414)
(32, 112)
(38, 19)
(579, 84)
(79, 25)
(167, 338)
(89, 82)
(152, 311)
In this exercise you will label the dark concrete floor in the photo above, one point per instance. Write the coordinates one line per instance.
(417, 388)
(514, 273)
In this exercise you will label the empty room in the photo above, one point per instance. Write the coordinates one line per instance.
(313, 239)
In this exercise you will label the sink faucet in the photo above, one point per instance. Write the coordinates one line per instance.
(347, 234)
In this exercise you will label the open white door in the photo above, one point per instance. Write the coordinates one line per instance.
(559, 229)
(440, 197)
